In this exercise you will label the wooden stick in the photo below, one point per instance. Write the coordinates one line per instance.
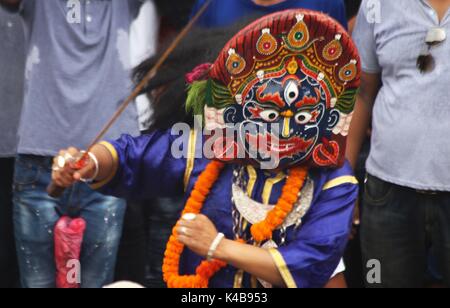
(53, 190)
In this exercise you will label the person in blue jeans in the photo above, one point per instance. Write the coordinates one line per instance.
(76, 75)
(12, 63)
(35, 215)
(221, 13)
(404, 93)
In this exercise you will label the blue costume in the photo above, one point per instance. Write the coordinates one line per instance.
(311, 252)
(290, 79)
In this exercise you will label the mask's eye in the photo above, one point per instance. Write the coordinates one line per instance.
(291, 92)
(270, 115)
(303, 117)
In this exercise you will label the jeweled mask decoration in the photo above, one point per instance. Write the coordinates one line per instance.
(288, 83)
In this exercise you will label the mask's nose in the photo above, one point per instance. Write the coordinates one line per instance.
(287, 115)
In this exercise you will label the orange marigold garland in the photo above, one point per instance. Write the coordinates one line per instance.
(174, 249)
(261, 231)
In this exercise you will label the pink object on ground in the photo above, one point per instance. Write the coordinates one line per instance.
(69, 235)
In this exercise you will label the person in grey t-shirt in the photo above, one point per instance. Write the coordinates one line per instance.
(77, 73)
(404, 50)
(12, 62)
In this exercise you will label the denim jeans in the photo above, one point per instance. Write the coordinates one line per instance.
(35, 215)
(8, 259)
(401, 228)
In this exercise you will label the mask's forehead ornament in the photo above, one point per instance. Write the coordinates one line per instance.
(297, 68)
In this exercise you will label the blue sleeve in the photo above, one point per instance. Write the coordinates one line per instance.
(311, 259)
(338, 12)
(146, 166)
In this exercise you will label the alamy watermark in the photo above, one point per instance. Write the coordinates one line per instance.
(247, 140)
(74, 271)
(373, 275)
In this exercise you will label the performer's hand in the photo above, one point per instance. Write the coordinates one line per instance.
(67, 175)
(198, 234)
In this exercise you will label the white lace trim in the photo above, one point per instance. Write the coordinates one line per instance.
(255, 212)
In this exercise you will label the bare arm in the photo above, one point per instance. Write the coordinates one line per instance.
(370, 85)
(200, 233)
(253, 260)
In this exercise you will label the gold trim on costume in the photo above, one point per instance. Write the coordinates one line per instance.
(112, 150)
(190, 157)
(340, 181)
(283, 268)
(268, 186)
(251, 180)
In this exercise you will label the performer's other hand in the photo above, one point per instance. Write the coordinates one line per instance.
(67, 175)
(198, 234)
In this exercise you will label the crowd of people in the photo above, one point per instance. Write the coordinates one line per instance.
(67, 65)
